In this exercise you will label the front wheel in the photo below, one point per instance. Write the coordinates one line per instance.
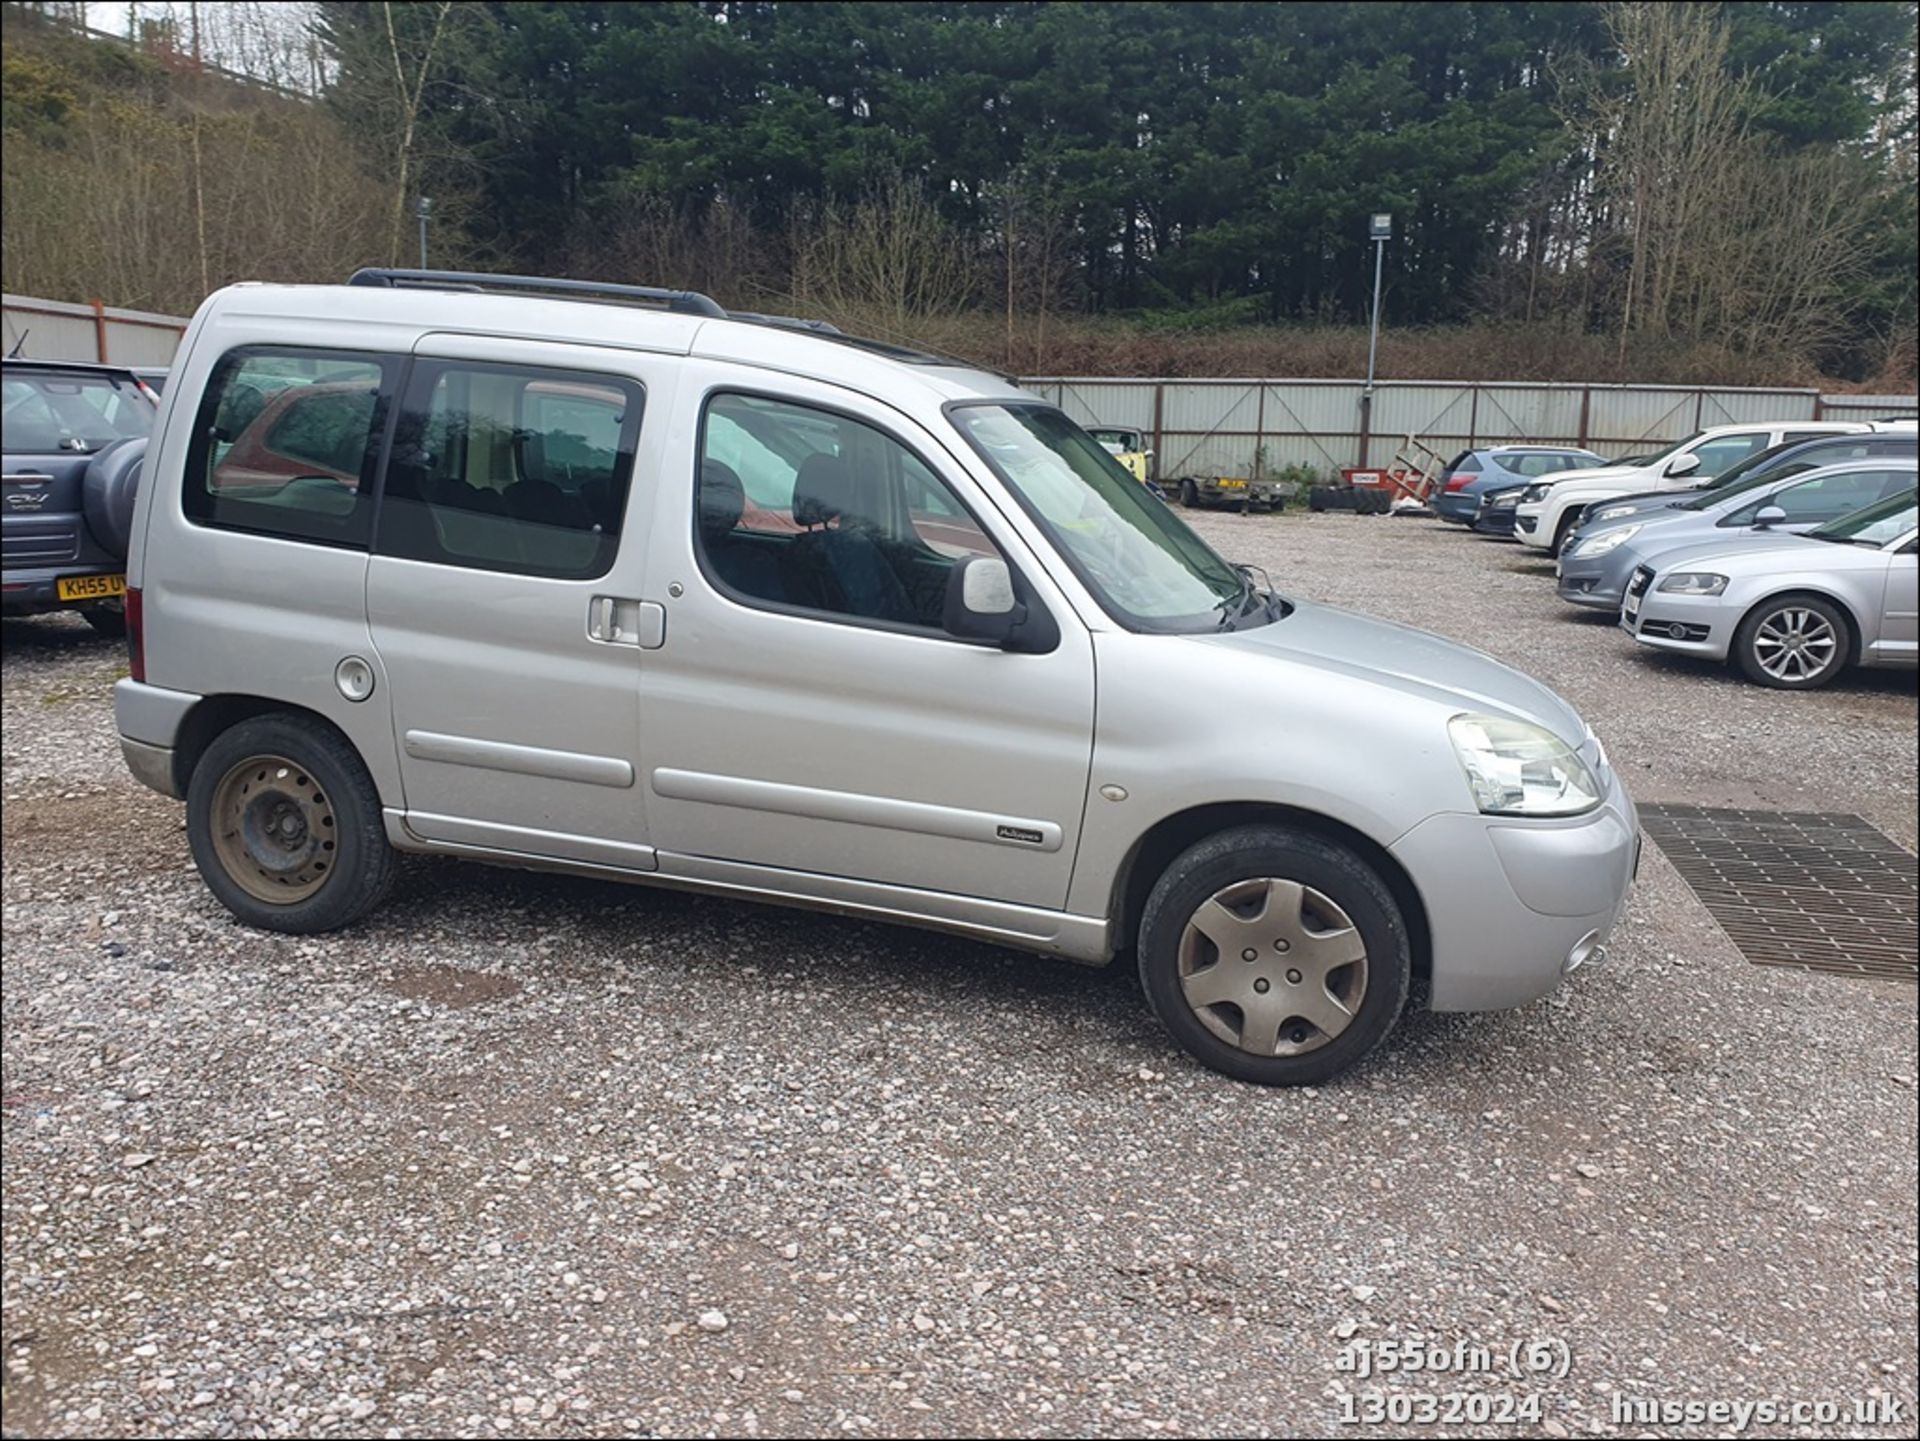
(1796, 642)
(1189, 495)
(1274, 956)
(285, 826)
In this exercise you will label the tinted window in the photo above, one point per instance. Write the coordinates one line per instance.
(798, 507)
(1465, 463)
(510, 468)
(286, 440)
(70, 411)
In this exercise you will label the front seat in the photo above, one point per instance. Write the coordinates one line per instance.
(740, 565)
(834, 563)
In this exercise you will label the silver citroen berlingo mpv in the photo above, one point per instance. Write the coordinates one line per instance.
(609, 580)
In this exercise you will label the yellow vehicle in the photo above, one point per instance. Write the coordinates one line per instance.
(1129, 447)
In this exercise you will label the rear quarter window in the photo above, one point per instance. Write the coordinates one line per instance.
(285, 442)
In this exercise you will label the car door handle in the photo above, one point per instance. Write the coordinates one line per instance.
(617, 620)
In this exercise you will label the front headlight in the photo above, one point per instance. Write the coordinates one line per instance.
(1515, 768)
(1506, 500)
(1614, 512)
(1693, 582)
(1534, 492)
(1600, 544)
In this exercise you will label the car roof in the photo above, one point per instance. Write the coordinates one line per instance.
(1532, 445)
(884, 371)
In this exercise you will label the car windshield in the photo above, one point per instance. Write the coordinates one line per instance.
(1139, 559)
(1756, 464)
(1876, 525)
(1660, 457)
(76, 411)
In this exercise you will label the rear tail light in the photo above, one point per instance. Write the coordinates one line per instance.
(1458, 482)
(136, 637)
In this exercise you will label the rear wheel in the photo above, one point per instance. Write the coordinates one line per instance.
(1795, 642)
(1189, 495)
(1274, 956)
(285, 826)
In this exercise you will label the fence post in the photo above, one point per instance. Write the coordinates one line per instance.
(1159, 441)
(1473, 419)
(1259, 431)
(99, 329)
(1586, 412)
(1366, 424)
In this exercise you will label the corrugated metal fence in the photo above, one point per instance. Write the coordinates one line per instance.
(1214, 427)
(1207, 427)
(61, 330)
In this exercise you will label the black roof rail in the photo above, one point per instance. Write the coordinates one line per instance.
(786, 322)
(681, 302)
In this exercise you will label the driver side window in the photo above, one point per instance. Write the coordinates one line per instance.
(804, 509)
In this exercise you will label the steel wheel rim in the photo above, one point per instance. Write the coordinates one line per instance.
(273, 830)
(1795, 643)
(1272, 967)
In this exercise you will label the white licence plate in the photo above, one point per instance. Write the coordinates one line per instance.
(1631, 607)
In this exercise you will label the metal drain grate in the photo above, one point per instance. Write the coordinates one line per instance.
(1819, 891)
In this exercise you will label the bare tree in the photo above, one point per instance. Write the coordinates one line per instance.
(890, 259)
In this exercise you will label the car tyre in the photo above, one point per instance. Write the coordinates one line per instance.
(1565, 529)
(285, 826)
(1189, 495)
(1765, 646)
(1309, 924)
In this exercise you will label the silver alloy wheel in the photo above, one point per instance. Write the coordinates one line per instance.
(1273, 967)
(1795, 643)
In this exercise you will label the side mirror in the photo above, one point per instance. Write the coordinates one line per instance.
(1769, 515)
(1683, 465)
(980, 603)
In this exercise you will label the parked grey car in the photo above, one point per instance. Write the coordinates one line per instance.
(522, 571)
(1791, 611)
(1594, 569)
(1473, 473)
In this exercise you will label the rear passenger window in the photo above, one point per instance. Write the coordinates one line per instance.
(285, 443)
(510, 468)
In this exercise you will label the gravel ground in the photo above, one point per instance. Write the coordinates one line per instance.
(532, 1155)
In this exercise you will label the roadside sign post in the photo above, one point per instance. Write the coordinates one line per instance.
(1380, 231)
(425, 211)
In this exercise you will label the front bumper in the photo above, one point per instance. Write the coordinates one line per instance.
(1513, 906)
(1527, 528)
(1591, 583)
(1496, 522)
(1701, 625)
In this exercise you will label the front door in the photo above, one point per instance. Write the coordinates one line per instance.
(1900, 627)
(503, 593)
(807, 713)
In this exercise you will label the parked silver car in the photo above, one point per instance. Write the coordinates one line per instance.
(524, 572)
(1791, 611)
(1594, 568)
